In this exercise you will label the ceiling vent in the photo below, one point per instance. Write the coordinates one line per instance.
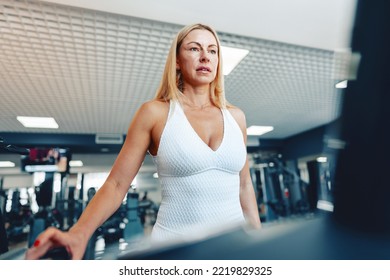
(109, 139)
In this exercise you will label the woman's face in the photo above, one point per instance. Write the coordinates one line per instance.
(198, 58)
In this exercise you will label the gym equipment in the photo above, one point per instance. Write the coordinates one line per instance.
(318, 238)
(281, 191)
(128, 221)
(147, 210)
(3, 234)
(134, 227)
(47, 216)
(70, 208)
(60, 253)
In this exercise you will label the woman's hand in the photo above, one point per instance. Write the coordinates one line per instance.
(52, 238)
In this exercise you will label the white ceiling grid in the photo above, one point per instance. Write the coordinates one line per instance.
(91, 70)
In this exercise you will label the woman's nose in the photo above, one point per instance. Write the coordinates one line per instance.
(205, 56)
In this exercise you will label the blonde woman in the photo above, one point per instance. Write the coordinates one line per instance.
(198, 143)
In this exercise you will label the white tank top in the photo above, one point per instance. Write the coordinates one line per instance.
(200, 186)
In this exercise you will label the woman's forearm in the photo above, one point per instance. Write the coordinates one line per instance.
(249, 206)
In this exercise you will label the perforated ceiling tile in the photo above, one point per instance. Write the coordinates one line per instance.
(91, 70)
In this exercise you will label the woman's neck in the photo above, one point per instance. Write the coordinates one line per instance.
(199, 99)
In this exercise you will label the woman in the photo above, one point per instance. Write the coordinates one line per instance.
(198, 143)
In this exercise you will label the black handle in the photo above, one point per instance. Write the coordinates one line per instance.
(59, 253)
(17, 150)
(13, 149)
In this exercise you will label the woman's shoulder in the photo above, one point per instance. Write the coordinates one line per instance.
(154, 108)
(237, 113)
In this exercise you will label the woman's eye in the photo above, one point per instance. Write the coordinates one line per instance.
(213, 51)
(194, 49)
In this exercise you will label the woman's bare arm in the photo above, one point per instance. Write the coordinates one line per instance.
(247, 193)
(110, 196)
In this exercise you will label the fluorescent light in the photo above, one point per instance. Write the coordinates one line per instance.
(38, 122)
(76, 163)
(325, 205)
(43, 168)
(258, 130)
(335, 143)
(7, 164)
(322, 159)
(231, 58)
(342, 84)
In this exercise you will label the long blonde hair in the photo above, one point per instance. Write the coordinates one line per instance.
(169, 86)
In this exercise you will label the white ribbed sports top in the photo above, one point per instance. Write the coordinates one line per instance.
(200, 186)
